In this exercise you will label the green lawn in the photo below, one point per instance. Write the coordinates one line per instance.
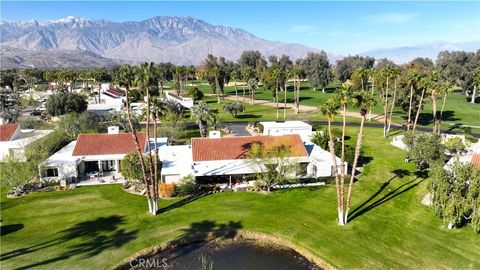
(457, 109)
(98, 227)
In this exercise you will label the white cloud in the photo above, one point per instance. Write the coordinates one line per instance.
(391, 17)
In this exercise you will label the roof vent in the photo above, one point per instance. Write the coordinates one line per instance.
(214, 134)
(113, 130)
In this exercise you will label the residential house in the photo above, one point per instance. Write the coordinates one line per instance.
(184, 101)
(227, 159)
(287, 127)
(14, 140)
(91, 155)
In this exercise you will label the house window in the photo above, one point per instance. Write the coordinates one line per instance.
(302, 169)
(51, 172)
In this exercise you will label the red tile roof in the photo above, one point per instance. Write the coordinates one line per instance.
(476, 159)
(7, 131)
(229, 148)
(106, 144)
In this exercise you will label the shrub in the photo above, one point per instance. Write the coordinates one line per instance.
(233, 108)
(424, 149)
(186, 187)
(195, 93)
(30, 122)
(167, 190)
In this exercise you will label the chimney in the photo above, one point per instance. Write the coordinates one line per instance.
(113, 130)
(214, 134)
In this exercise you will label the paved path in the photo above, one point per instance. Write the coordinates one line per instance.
(238, 129)
(303, 108)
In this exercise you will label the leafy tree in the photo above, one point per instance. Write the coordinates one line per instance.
(195, 93)
(455, 192)
(131, 167)
(233, 108)
(9, 106)
(15, 172)
(349, 64)
(75, 123)
(458, 67)
(317, 70)
(63, 103)
(272, 162)
(424, 149)
(186, 187)
(253, 60)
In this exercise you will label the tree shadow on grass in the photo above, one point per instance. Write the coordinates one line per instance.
(248, 115)
(7, 229)
(181, 203)
(91, 237)
(398, 173)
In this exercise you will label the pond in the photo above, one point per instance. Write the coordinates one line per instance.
(231, 255)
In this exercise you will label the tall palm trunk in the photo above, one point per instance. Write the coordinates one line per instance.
(410, 108)
(161, 87)
(217, 89)
(358, 149)
(285, 102)
(335, 172)
(370, 111)
(150, 159)
(243, 93)
(276, 99)
(418, 109)
(202, 125)
(298, 95)
(385, 115)
(99, 92)
(474, 94)
(392, 106)
(139, 150)
(236, 90)
(157, 170)
(342, 168)
(434, 111)
(441, 113)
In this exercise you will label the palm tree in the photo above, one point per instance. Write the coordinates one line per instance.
(125, 77)
(235, 75)
(365, 102)
(252, 85)
(444, 88)
(423, 84)
(343, 96)
(146, 80)
(475, 84)
(387, 73)
(204, 116)
(330, 109)
(432, 82)
(295, 74)
(395, 74)
(412, 80)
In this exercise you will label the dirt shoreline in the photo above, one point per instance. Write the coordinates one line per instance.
(260, 238)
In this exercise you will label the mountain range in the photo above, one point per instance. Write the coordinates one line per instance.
(402, 55)
(180, 40)
(79, 42)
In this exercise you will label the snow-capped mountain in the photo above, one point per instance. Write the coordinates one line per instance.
(180, 40)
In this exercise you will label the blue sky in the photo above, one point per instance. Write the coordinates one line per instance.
(337, 27)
